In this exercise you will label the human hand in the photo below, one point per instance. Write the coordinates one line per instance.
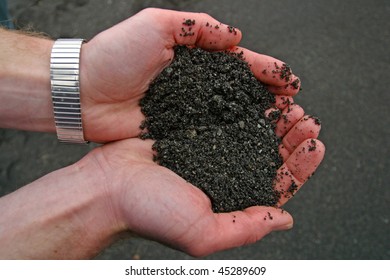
(153, 202)
(118, 65)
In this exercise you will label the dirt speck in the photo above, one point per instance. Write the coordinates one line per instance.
(189, 22)
(313, 145)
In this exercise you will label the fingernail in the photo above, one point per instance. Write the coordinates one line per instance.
(283, 222)
(284, 226)
(288, 225)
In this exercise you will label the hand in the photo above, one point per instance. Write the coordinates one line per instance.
(155, 203)
(118, 65)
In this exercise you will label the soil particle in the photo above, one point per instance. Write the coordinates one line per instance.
(274, 115)
(189, 22)
(295, 83)
(232, 30)
(284, 71)
(313, 145)
(317, 121)
(292, 188)
(286, 100)
(269, 216)
(206, 113)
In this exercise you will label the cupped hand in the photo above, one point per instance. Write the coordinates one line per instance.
(153, 202)
(118, 65)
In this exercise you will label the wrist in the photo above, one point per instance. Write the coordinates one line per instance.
(98, 212)
(66, 214)
(25, 82)
(86, 99)
(92, 110)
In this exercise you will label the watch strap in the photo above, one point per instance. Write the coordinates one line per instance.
(65, 89)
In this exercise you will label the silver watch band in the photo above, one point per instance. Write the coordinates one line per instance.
(65, 89)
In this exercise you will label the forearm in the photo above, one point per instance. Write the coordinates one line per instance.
(63, 215)
(25, 97)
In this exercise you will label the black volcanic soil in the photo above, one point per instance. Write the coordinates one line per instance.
(206, 113)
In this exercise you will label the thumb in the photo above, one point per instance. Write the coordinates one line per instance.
(240, 228)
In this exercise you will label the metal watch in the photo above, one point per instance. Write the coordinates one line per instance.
(65, 90)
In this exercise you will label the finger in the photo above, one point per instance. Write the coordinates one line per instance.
(267, 69)
(273, 114)
(288, 118)
(283, 152)
(290, 89)
(306, 127)
(282, 101)
(298, 168)
(239, 228)
(195, 29)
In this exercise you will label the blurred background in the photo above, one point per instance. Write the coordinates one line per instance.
(340, 50)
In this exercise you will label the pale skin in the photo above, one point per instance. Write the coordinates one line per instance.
(117, 189)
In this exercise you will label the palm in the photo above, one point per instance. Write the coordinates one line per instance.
(114, 105)
(158, 204)
(118, 65)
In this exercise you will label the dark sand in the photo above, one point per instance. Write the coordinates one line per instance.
(206, 112)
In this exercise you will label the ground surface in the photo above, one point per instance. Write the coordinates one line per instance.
(340, 51)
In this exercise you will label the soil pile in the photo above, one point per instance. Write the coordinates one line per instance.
(206, 113)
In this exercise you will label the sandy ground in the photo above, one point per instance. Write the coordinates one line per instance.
(338, 48)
